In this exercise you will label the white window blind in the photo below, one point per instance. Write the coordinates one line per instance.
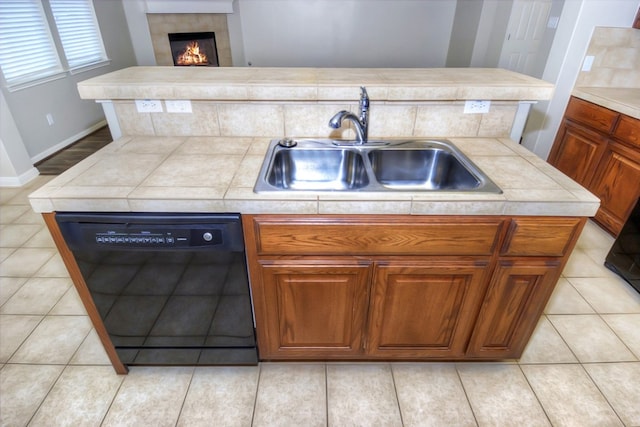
(79, 32)
(27, 51)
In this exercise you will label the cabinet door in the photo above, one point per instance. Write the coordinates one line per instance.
(516, 296)
(576, 152)
(315, 310)
(424, 308)
(617, 184)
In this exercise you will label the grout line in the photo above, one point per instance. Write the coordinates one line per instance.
(255, 394)
(395, 389)
(326, 394)
(535, 394)
(466, 395)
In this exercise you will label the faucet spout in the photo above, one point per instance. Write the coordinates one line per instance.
(361, 123)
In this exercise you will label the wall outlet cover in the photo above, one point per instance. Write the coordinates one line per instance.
(149, 105)
(476, 107)
(588, 62)
(178, 105)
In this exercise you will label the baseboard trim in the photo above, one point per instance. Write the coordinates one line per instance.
(53, 150)
(19, 181)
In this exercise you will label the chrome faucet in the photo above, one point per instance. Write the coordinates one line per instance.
(361, 123)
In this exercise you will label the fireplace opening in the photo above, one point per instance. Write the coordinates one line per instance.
(194, 49)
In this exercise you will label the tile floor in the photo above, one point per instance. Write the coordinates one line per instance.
(581, 368)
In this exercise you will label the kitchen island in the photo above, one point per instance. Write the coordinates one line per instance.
(350, 275)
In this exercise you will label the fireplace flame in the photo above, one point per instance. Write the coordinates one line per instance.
(192, 55)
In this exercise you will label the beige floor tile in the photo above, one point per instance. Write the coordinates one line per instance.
(620, 384)
(54, 341)
(70, 304)
(54, 267)
(590, 339)
(4, 254)
(547, 346)
(14, 329)
(9, 286)
(37, 296)
(627, 328)
(500, 396)
(16, 235)
(608, 294)
(431, 395)
(91, 352)
(30, 217)
(10, 213)
(224, 396)
(582, 265)
(593, 236)
(291, 395)
(150, 396)
(22, 390)
(362, 395)
(80, 397)
(569, 397)
(567, 300)
(25, 262)
(42, 239)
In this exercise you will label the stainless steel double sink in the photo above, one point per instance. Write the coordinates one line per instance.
(336, 165)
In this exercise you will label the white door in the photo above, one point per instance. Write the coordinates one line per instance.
(526, 27)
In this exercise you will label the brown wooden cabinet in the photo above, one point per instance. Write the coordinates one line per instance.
(318, 307)
(518, 291)
(404, 287)
(600, 149)
(425, 308)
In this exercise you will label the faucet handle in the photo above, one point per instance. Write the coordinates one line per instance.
(364, 98)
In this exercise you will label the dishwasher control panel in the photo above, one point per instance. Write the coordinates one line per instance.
(157, 238)
(134, 231)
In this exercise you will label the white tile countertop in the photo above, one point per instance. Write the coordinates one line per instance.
(317, 84)
(621, 99)
(217, 174)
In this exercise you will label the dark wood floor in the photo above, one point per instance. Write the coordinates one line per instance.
(69, 156)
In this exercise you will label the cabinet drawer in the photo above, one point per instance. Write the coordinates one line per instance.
(591, 115)
(397, 235)
(540, 236)
(628, 130)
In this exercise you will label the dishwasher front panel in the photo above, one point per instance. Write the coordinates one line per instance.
(170, 289)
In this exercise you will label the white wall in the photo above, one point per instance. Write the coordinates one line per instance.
(346, 33)
(565, 60)
(15, 165)
(73, 117)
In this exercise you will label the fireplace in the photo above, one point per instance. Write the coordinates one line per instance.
(194, 49)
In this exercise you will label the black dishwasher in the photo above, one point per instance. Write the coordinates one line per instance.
(171, 289)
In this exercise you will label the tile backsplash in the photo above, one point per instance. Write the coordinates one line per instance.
(616, 63)
(310, 119)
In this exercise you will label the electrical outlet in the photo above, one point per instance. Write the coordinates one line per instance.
(50, 119)
(476, 107)
(149, 105)
(178, 105)
(588, 62)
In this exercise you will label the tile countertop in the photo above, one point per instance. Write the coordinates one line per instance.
(217, 174)
(621, 99)
(317, 84)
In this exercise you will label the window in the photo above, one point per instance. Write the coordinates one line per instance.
(79, 32)
(28, 51)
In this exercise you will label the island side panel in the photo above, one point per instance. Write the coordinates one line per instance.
(83, 292)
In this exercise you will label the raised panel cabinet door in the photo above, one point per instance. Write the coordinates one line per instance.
(577, 151)
(314, 309)
(617, 184)
(423, 309)
(513, 304)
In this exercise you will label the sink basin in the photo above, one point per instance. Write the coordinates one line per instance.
(422, 169)
(317, 169)
(335, 165)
